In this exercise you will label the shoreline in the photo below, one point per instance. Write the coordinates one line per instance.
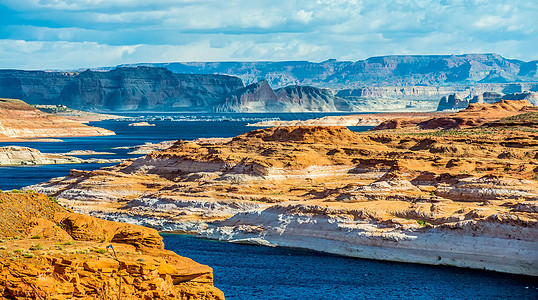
(337, 248)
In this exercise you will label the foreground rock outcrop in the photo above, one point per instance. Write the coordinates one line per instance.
(51, 253)
(464, 197)
(20, 120)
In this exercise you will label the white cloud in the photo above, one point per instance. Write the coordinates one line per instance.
(98, 32)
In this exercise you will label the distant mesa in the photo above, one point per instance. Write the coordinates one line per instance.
(393, 70)
(476, 114)
(385, 83)
(260, 96)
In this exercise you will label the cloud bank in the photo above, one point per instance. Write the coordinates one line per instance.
(63, 34)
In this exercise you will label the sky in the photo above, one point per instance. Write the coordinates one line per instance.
(71, 34)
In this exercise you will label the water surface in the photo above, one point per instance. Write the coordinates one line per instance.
(263, 273)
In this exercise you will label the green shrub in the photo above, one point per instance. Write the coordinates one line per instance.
(422, 223)
(36, 237)
(36, 247)
(53, 200)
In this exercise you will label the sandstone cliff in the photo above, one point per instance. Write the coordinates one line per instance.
(20, 120)
(396, 70)
(463, 197)
(474, 115)
(119, 89)
(454, 101)
(260, 97)
(388, 83)
(47, 252)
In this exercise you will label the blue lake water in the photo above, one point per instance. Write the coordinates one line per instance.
(253, 272)
(263, 273)
(197, 126)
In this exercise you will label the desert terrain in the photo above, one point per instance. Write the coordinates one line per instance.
(448, 190)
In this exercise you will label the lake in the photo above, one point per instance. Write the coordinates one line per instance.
(255, 272)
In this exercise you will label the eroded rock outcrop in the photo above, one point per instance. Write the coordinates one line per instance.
(436, 197)
(476, 114)
(15, 155)
(47, 251)
(453, 101)
(20, 120)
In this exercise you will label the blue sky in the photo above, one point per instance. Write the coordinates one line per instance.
(64, 34)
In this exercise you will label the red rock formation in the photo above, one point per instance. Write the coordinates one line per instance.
(20, 120)
(49, 252)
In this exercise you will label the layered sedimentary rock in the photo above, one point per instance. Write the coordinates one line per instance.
(454, 101)
(388, 83)
(49, 252)
(307, 98)
(255, 97)
(20, 120)
(475, 114)
(16, 156)
(119, 89)
(396, 70)
(260, 97)
(463, 197)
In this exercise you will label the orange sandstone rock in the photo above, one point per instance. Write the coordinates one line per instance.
(50, 253)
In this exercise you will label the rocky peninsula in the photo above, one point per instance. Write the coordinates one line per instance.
(463, 197)
(18, 120)
(74, 114)
(48, 252)
(16, 156)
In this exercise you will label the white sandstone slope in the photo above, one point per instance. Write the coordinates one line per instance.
(468, 244)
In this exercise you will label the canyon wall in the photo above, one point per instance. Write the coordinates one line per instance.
(140, 88)
(396, 70)
(387, 83)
